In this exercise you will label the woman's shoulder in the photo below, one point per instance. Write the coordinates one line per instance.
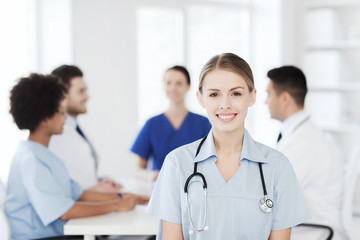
(183, 154)
(271, 155)
(157, 119)
(194, 117)
(25, 155)
(274, 162)
(187, 149)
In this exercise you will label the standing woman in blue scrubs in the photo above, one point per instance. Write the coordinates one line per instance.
(229, 160)
(174, 128)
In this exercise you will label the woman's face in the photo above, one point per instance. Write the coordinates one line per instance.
(55, 124)
(226, 98)
(176, 86)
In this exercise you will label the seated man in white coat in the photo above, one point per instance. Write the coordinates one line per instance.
(319, 174)
(73, 146)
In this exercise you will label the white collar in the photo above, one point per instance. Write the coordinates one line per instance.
(71, 121)
(250, 150)
(294, 121)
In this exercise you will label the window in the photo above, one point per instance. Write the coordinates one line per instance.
(160, 45)
(16, 59)
(186, 34)
(36, 37)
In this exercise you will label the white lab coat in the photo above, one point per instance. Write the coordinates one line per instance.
(319, 174)
(76, 153)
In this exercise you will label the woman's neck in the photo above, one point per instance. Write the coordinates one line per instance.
(40, 137)
(176, 114)
(228, 142)
(177, 110)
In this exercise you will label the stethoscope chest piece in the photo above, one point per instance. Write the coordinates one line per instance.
(266, 204)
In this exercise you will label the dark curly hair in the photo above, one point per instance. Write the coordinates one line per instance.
(34, 99)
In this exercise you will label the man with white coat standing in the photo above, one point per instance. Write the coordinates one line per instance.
(73, 146)
(319, 174)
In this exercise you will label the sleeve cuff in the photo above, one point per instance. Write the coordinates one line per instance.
(57, 213)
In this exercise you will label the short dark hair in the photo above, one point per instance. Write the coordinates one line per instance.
(34, 99)
(66, 73)
(182, 70)
(290, 79)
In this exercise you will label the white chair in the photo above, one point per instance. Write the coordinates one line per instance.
(351, 175)
(5, 232)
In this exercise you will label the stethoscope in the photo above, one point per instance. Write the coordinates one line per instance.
(265, 204)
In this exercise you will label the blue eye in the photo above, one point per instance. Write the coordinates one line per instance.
(213, 95)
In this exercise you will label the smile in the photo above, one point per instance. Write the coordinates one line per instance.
(226, 117)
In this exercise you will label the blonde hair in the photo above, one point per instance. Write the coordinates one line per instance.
(230, 62)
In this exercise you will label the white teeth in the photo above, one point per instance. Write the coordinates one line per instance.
(226, 117)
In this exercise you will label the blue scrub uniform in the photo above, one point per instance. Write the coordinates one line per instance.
(233, 210)
(39, 192)
(158, 137)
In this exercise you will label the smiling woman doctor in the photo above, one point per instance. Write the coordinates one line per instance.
(227, 186)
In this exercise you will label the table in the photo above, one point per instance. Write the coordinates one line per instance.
(135, 222)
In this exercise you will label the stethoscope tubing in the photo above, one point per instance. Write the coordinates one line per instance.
(202, 228)
(196, 173)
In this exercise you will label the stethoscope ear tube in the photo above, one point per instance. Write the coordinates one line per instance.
(193, 175)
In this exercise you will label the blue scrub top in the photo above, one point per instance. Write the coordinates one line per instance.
(233, 210)
(158, 137)
(39, 192)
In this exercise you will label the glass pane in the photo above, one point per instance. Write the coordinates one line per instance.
(55, 34)
(160, 45)
(17, 20)
(214, 30)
